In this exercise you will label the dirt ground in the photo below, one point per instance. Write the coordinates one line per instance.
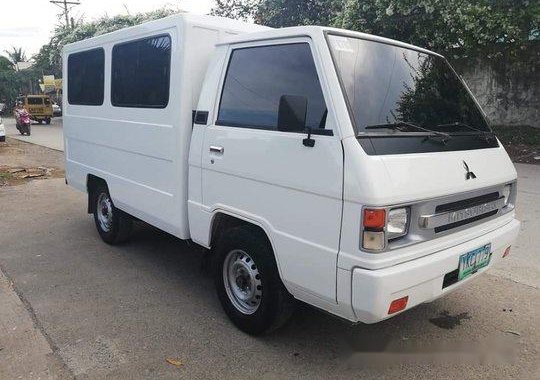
(22, 162)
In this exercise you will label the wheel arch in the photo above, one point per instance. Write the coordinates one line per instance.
(223, 220)
(92, 182)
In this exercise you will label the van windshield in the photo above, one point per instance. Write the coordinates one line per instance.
(392, 90)
(34, 100)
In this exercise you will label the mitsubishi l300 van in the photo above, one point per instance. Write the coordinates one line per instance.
(352, 172)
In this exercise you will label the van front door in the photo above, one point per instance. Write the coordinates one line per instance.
(252, 169)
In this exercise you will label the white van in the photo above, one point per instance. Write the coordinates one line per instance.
(352, 172)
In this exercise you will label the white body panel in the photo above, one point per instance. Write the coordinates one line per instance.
(308, 200)
(142, 153)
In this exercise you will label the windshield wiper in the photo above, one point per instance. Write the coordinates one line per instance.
(402, 126)
(486, 135)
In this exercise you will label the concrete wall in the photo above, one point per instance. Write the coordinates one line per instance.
(509, 93)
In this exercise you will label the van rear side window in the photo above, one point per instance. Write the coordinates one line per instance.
(141, 73)
(86, 77)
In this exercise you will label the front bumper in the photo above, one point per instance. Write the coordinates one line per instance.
(420, 279)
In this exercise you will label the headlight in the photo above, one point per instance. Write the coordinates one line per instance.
(506, 194)
(381, 225)
(398, 221)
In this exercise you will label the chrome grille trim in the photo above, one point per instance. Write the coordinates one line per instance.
(454, 216)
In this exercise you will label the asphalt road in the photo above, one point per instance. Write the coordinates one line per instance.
(120, 312)
(49, 136)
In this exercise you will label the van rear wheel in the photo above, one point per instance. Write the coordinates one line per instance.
(248, 283)
(113, 225)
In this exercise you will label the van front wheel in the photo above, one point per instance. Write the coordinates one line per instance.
(248, 283)
(113, 225)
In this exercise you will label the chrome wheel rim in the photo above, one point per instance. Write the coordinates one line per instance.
(105, 212)
(242, 281)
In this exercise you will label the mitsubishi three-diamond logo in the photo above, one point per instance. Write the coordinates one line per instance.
(469, 174)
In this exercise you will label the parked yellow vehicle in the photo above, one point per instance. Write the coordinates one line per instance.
(38, 106)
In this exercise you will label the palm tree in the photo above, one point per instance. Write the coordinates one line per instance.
(16, 55)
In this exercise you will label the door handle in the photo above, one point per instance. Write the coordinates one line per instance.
(217, 149)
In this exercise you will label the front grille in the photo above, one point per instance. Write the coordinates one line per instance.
(465, 203)
(466, 221)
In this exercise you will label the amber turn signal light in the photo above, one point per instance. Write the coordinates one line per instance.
(374, 218)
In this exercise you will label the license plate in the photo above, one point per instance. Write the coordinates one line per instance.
(470, 262)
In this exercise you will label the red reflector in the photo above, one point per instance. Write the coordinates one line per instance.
(374, 218)
(398, 305)
(506, 252)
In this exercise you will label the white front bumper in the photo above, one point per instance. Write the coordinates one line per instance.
(2, 130)
(421, 279)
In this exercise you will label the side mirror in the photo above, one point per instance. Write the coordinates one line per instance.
(292, 113)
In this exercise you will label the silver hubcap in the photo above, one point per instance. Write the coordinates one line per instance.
(242, 281)
(105, 212)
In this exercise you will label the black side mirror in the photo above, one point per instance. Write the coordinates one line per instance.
(292, 113)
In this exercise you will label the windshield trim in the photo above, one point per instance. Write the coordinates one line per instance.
(328, 33)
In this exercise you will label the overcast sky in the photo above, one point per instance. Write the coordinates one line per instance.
(29, 23)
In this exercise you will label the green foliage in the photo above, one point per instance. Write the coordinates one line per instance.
(282, 13)
(236, 9)
(16, 55)
(5, 64)
(456, 28)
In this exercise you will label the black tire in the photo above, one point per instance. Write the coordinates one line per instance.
(121, 224)
(29, 130)
(2, 138)
(48, 121)
(276, 304)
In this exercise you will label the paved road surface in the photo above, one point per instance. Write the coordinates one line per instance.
(49, 136)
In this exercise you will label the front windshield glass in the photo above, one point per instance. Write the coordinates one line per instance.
(387, 84)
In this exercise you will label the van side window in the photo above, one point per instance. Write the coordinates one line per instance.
(258, 76)
(141, 72)
(86, 77)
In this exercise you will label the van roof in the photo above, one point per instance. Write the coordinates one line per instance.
(214, 22)
(312, 31)
(247, 32)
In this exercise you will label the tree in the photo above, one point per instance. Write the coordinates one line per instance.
(5, 64)
(282, 13)
(236, 9)
(16, 55)
(457, 28)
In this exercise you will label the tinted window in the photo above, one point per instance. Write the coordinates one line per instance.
(386, 83)
(140, 73)
(257, 78)
(34, 101)
(85, 77)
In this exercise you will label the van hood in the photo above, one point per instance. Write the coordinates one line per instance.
(393, 179)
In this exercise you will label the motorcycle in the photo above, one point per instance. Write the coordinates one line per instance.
(23, 121)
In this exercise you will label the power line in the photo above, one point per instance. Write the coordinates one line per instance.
(65, 5)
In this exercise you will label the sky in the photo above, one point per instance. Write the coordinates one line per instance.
(29, 23)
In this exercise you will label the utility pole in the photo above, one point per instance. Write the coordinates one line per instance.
(65, 5)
